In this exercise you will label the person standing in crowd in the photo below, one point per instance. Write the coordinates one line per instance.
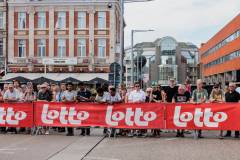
(11, 95)
(170, 90)
(199, 95)
(29, 95)
(217, 96)
(100, 98)
(69, 96)
(16, 84)
(232, 96)
(136, 96)
(188, 85)
(84, 95)
(23, 91)
(5, 88)
(113, 98)
(55, 93)
(149, 95)
(182, 96)
(158, 94)
(44, 95)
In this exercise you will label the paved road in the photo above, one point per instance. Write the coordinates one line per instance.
(96, 147)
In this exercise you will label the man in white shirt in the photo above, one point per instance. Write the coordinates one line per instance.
(12, 94)
(137, 95)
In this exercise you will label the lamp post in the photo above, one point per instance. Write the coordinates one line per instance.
(122, 31)
(132, 55)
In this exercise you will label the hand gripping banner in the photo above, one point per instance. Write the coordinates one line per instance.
(16, 114)
(132, 116)
(208, 116)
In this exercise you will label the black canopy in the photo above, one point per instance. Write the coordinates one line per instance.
(98, 80)
(19, 78)
(41, 80)
(70, 79)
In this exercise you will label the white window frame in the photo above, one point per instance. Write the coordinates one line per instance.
(22, 20)
(21, 48)
(1, 20)
(102, 47)
(42, 20)
(61, 20)
(82, 47)
(82, 22)
(62, 48)
(41, 47)
(102, 23)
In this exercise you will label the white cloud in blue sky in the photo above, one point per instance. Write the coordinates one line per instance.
(187, 20)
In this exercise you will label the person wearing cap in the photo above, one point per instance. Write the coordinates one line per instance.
(44, 94)
(84, 95)
(170, 90)
(11, 95)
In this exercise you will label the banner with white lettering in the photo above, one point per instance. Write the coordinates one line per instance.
(16, 114)
(144, 115)
(207, 116)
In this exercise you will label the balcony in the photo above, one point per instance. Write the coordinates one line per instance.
(102, 60)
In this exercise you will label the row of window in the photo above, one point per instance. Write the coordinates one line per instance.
(61, 48)
(223, 59)
(229, 39)
(61, 20)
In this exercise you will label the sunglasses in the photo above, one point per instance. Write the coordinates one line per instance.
(137, 86)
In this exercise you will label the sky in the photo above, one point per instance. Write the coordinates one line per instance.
(193, 21)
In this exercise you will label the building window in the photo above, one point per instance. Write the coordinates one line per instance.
(61, 21)
(101, 19)
(1, 47)
(82, 47)
(21, 20)
(41, 47)
(41, 20)
(81, 20)
(1, 20)
(21, 48)
(61, 48)
(101, 48)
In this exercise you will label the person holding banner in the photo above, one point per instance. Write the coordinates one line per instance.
(69, 96)
(136, 96)
(170, 90)
(199, 95)
(182, 96)
(113, 98)
(217, 96)
(84, 95)
(232, 96)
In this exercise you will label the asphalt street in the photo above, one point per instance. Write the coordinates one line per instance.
(97, 147)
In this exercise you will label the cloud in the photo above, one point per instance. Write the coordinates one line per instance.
(187, 20)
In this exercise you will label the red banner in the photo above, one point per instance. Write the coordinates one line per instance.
(208, 116)
(89, 114)
(16, 114)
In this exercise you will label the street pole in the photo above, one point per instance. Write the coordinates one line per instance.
(121, 39)
(132, 65)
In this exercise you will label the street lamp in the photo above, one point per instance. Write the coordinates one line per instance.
(132, 63)
(122, 30)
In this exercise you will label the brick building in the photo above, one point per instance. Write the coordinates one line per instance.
(77, 38)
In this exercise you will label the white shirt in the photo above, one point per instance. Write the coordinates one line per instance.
(115, 98)
(137, 96)
(15, 94)
(69, 96)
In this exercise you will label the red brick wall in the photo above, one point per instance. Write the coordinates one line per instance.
(15, 20)
(15, 48)
(95, 47)
(35, 48)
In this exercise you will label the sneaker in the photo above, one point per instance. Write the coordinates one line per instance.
(47, 132)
